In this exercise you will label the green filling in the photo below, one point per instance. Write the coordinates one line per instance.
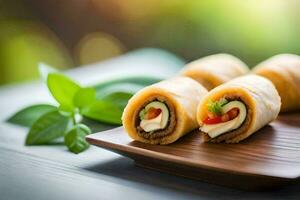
(142, 114)
(215, 107)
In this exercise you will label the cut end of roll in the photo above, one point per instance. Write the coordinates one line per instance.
(163, 112)
(232, 120)
(161, 120)
(235, 110)
(153, 120)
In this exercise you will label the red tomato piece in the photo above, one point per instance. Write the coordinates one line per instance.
(153, 113)
(214, 120)
(231, 114)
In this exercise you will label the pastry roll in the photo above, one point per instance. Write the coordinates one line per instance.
(235, 110)
(215, 70)
(284, 71)
(163, 112)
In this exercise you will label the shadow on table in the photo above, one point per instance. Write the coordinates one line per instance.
(290, 119)
(124, 168)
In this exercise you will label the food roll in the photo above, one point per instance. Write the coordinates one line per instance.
(163, 112)
(235, 110)
(215, 70)
(284, 71)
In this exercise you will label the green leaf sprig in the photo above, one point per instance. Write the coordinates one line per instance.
(27, 116)
(215, 107)
(77, 105)
(75, 138)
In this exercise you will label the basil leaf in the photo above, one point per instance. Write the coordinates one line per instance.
(103, 111)
(45, 70)
(27, 116)
(119, 91)
(84, 97)
(120, 99)
(75, 138)
(113, 96)
(47, 128)
(127, 84)
(63, 89)
(66, 110)
(123, 88)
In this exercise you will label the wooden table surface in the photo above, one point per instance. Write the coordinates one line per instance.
(51, 172)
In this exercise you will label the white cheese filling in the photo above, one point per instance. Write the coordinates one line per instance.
(214, 130)
(157, 123)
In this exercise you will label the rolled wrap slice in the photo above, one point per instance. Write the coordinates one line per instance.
(215, 70)
(163, 112)
(235, 110)
(284, 71)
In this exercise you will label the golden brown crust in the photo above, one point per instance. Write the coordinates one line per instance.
(182, 96)
(258, 94)
(207, 79)
(284, 71)
(215, 70)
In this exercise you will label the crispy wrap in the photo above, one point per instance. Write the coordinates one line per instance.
(215, 70)
(284, 71)
(163, 112)
(235, 110)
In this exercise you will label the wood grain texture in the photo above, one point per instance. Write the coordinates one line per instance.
(269, 158)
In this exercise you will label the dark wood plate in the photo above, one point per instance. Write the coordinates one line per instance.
(269, 158)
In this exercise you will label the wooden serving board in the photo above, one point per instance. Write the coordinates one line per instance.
(269, 158)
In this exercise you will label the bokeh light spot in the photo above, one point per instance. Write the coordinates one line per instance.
(97, 46)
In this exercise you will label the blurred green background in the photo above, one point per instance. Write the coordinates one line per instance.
(69, 33)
